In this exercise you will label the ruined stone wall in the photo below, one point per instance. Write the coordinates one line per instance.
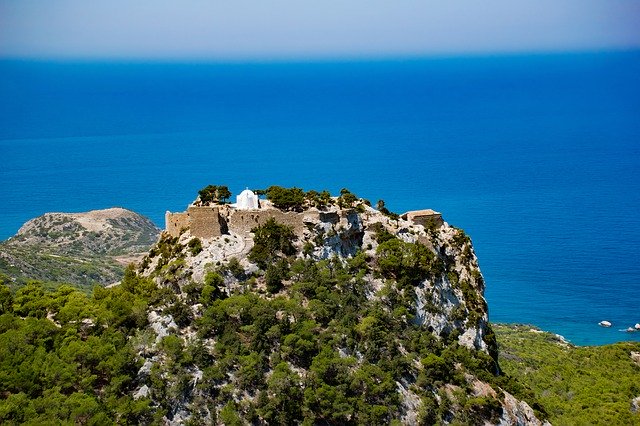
(425, 218)
(205, 222)
(174, 222)
(214, 221)
(243, 221)
(202, 222)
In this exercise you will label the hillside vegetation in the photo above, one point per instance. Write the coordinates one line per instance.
(360, 318)
(592, 385)
(82, 249)
(357, 317)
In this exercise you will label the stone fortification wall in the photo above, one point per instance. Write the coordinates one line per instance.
(174, 222)
(206, 222)
(424, 217)
(202, 222)
(243, 221)
(214, 221)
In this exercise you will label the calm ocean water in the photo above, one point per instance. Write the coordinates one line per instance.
(536, 157)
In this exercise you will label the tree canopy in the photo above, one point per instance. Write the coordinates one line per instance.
(213, 194)
(286, 198)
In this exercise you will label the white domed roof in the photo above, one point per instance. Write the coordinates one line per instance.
(247, 200)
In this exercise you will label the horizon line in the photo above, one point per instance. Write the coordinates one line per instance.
(321, 58)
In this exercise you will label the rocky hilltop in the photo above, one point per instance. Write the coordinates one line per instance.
(339, 313)
(79, 248)
(301, 308)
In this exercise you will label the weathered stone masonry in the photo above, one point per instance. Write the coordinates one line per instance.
(217, 220)
(214, 221)
(203, 222)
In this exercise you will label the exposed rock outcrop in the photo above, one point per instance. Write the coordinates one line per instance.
(434, 266)
(114, 231)
(449, 301)
(518, 413)
(78, 248)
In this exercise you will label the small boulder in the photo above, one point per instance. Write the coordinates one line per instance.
(143, 392)
(635, 404)
(604, 324)
(637, 326)
(145, 370)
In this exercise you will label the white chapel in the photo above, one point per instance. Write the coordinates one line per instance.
(247, 200)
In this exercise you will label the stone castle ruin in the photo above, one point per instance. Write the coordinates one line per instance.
(249, 211)
(426, 218)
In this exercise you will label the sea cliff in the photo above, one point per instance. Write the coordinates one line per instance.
(358, 314)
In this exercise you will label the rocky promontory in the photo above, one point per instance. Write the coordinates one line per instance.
(327, 311)
(294, 308)
(78, 248)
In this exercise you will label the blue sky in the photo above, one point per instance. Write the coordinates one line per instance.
(285, 29)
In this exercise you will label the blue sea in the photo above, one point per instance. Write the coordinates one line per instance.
(536, 157)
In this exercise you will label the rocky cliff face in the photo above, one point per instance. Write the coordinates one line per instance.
(79, 248)
(449, 301)
(376, 295)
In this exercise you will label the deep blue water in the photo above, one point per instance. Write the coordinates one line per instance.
(536, 157)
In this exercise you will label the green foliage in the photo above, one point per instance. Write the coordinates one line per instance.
(314, 199)
(280, 404)
(346, 199)
(317, 348)
(79, 369)
(407, 263)
(30, 301)
(295, 199)
(229, 415)
(212, 290)
(275, 274)
(381, 233)
(195, 246)
(319, 200)
(271, 241)
(382, 208)
(181, 313)
(168, 248)
(576, 385)
(286, 198)
(234, 268)
(214, 193)
(6, 299)
(463, 242)
(208, 194)
(223, 193)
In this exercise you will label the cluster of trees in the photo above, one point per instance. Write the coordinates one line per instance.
(286, 198)
(68, 357)
(214, 194)
(407, 263)
(295, 199)
(273, 242)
